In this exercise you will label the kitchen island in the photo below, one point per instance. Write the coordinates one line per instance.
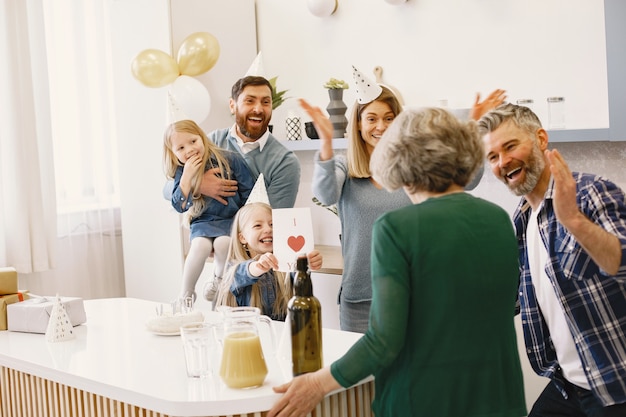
(116, 367)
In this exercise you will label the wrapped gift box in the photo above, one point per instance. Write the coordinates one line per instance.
(5, 300)
(32, 315)
(8, 281)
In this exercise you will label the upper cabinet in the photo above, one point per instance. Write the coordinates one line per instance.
(434, 51)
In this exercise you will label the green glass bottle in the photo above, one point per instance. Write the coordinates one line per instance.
(305, 316)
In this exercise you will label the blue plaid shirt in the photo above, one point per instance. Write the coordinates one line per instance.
(594, 302)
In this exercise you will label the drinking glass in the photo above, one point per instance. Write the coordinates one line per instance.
(200, 346)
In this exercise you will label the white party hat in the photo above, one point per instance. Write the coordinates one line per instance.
(257, 67)
(259, 193)
(366, 90)
(59, 325)
(174, 112)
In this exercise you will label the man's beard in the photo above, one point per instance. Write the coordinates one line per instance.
(255, 134)
(534, 168)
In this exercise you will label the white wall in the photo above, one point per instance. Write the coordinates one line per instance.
(151, 232)
(151, 235)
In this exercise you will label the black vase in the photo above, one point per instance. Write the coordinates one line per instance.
(337, 111)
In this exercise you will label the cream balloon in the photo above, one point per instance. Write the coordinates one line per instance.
(198, 53)
(154, 68)
(322, 8)
(192, 97)
(396, 2)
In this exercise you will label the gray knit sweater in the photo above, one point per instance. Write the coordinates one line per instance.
(279, 165)
(359, 204)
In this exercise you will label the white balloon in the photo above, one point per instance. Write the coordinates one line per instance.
(395, 2)
(192, 97)
(322, 8)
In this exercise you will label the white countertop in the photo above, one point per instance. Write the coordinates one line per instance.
(115, 356)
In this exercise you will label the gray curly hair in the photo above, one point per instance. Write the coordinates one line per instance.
(521, 116)
(427, 150)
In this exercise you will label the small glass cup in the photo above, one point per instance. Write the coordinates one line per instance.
(556, 112)
(526, 102)
(199, 344)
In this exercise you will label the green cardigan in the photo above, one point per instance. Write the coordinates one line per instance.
(441, 340)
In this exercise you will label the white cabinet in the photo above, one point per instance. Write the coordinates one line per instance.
(325, 288)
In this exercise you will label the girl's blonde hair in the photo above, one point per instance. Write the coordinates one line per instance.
(238, 253)
(358, 157)
(213, 154)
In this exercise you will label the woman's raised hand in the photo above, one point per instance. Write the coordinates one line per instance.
(324, 128)
(321, 122)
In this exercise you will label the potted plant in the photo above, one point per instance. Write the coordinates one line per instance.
(337, 108)
(335, 84)
(277, 96)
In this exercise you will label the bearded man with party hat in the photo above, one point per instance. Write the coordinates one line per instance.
(251, 104)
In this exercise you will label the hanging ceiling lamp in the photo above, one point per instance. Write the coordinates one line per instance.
(322, 8)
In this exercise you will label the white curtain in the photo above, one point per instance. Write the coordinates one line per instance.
(59, 179)
(27, 213)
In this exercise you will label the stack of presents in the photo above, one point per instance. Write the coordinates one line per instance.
(24, 312)
(9, 293)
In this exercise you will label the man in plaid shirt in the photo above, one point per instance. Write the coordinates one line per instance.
(571, 230)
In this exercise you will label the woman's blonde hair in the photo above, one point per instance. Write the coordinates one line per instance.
(213, 154)
(238, 253)
(358, 157)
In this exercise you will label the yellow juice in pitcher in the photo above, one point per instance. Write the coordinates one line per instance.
(243, 364)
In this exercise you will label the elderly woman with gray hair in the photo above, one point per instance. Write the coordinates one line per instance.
(441, 339)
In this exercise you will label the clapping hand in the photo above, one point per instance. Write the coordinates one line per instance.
(565, 207)
(321, 122)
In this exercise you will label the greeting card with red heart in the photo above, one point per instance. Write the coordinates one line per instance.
(293, 235)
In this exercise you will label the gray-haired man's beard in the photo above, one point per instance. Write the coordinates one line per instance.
(534, 168)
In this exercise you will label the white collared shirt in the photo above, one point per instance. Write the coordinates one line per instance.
(248, 146)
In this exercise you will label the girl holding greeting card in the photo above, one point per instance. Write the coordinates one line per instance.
(251, 277)
(346, 180)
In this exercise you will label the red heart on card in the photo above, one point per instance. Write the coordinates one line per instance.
(296, 243)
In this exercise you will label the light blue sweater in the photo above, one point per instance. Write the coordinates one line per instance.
(279, 165)
(359, 203)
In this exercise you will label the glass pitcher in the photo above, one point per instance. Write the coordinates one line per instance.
(243, 363)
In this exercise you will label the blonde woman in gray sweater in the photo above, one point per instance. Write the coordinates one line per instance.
(345, 180)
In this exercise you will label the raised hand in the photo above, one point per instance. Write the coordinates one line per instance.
(324, 128)
(321, 122)
(492, 101)
(565, 207)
